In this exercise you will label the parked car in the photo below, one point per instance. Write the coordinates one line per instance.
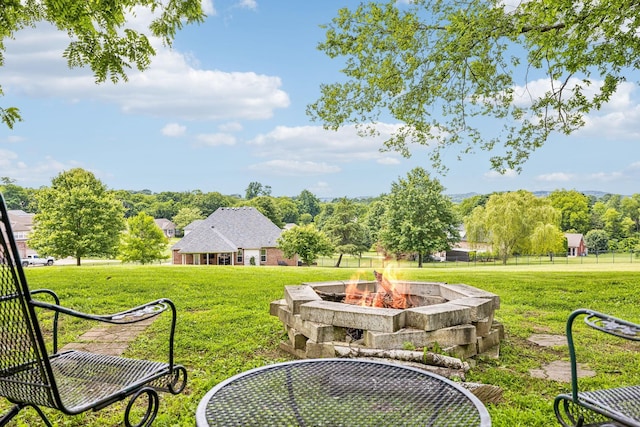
(36, 260)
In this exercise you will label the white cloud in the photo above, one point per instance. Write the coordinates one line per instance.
(556, 177)
(174, 130)
(207, 8)
(315, 144)
(230, 127)
(295, 168)
(389, 161)
(215, 139)
(31, 174)
(171, 87)
(248, 4)
(617, 119)
(508, 174)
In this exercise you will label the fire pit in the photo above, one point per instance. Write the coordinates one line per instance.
(323, 318)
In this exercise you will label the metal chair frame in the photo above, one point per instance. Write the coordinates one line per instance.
(71, 381)
(610, 407)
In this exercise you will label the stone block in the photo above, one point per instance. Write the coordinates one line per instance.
(439, 316)
(297, 340)
(483, 326)
(275, 306)
(318, 332)
(446, 337)
(298, 295)
(491, 340)
(353, 316)
(480, 307)
(462, 351)
(456, 291)
(319, 350)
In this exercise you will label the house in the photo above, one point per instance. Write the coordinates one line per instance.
(231, 236)
(575, 244)
(167, 227)
(21, 225)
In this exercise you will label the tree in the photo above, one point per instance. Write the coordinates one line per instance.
(443, 68)
(510, 222)
(255, 189)
(548, 239)
(306, 242)
(418, 217)
(344, 229)
(99, 36)
(574, 208)
(373, 219)
(631, 208)
(308, 203)
(288, 210)
(143, 242)
(78, 217)
(208, 203)
(597, 240)
(267, 207)
(186, 216)
(15, 197)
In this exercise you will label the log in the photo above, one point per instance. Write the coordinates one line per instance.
(452, 374)
(432, 359)
(485, 392)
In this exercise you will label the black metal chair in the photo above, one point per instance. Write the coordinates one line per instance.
(34, 373)
(609, 407)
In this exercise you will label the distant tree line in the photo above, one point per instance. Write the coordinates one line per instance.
(415, 220)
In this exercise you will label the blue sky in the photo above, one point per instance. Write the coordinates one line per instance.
(226, 106)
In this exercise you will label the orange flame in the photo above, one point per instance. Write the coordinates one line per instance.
(385, 295)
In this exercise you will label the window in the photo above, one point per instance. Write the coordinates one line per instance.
(263, 255)
(224, 259)
(240, 256)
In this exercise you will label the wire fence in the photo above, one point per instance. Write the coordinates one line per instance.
(374, 261)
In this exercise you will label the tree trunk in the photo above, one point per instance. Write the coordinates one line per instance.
(419, 260)
(339, 261)
(78, 261)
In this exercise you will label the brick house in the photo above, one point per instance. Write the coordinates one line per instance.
(21, 225)
(231, 236)
(575, 244)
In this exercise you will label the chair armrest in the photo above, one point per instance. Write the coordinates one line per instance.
(613, 325)
(132, 315)
(601, 322)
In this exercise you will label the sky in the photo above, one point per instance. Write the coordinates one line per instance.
(225, 106)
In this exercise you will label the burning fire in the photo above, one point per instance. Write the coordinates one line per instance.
(386, 294)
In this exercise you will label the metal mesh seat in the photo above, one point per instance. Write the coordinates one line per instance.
(32, 371)
(610, 407)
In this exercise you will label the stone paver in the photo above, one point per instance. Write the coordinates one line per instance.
(560, 371)
(112, 340)
(548, 340)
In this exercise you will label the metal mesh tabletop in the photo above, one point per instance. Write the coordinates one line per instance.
(339, 392)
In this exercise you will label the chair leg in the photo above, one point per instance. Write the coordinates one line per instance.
(8, 416)
(153, 402)
(11, 413)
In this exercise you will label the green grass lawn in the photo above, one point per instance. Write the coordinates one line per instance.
(224, 326)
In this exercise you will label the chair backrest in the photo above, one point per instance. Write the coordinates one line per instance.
(25, 372)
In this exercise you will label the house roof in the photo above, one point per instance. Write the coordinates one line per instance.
(573, 239)
(165, 224)
(228, 229)
(20, 220)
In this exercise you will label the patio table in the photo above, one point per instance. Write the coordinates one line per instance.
(340, 392)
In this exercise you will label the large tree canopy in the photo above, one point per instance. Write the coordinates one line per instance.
(98, 32)
(442, 67)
